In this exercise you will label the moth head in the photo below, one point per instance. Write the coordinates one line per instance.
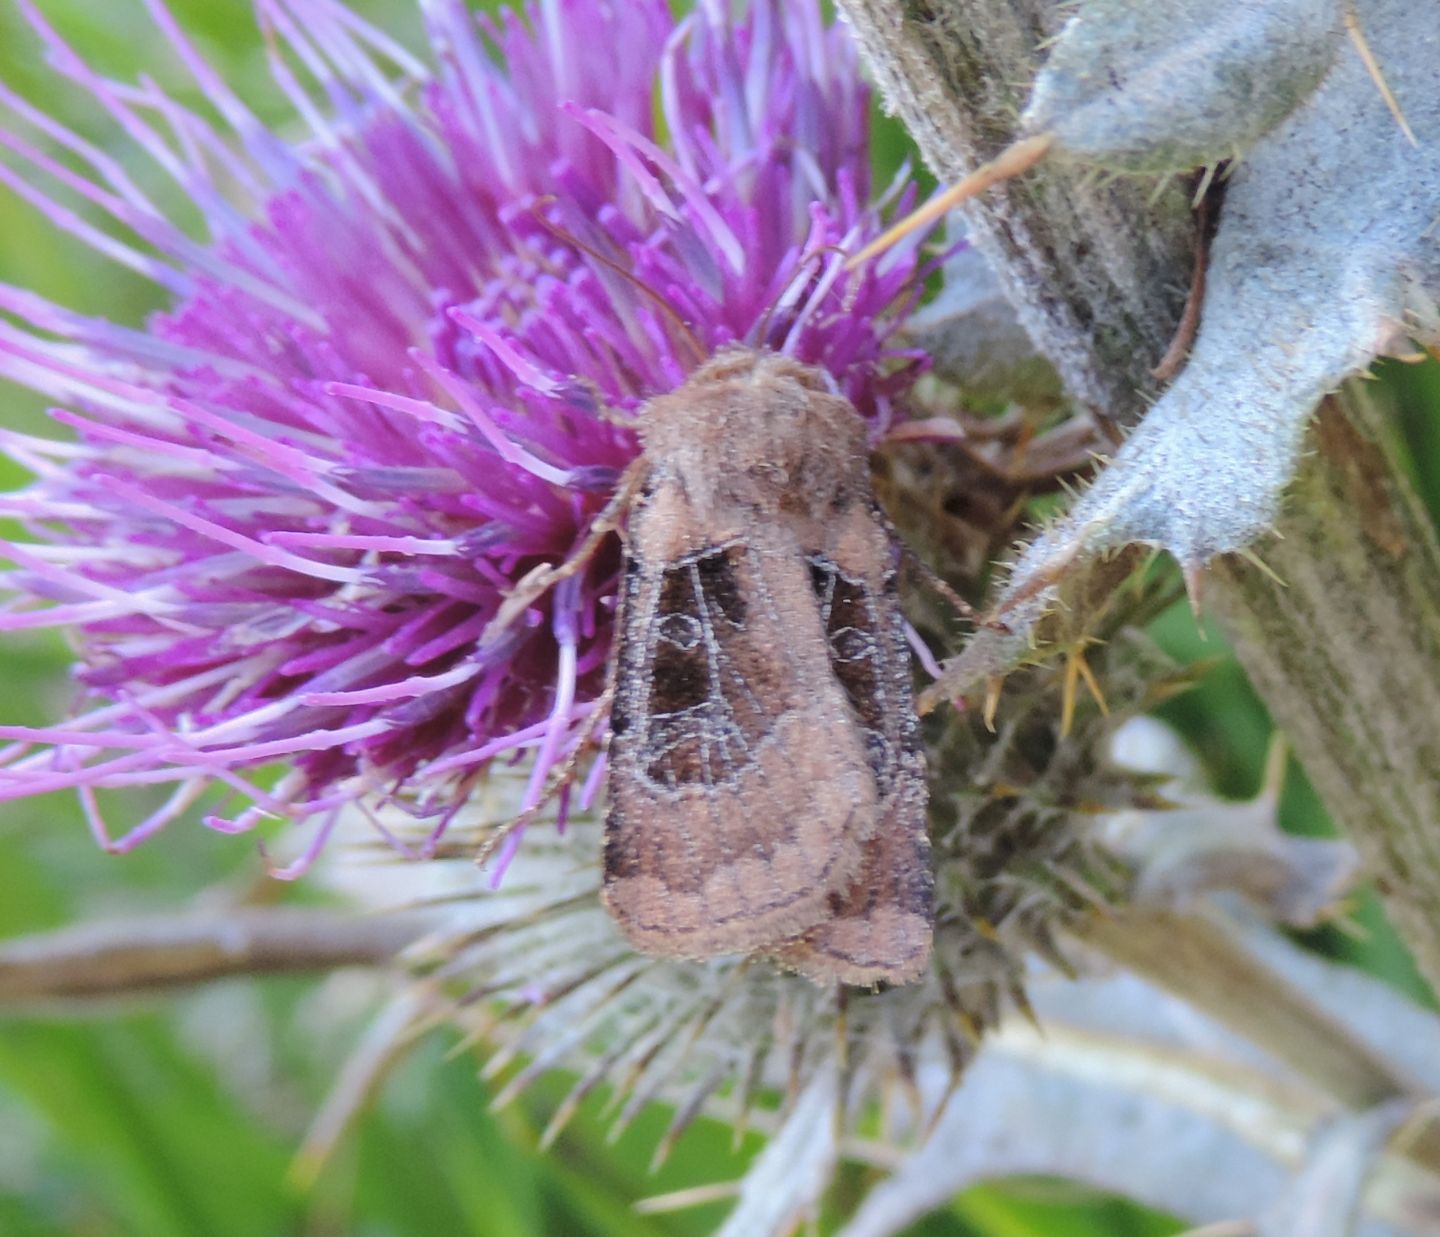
(758, 417)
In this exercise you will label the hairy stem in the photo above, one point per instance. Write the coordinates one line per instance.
(1343, 643)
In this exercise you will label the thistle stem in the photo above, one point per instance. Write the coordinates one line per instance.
(1345, 650)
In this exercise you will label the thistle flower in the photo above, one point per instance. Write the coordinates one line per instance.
(394, 381)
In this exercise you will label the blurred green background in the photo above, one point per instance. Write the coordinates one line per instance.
(181, 1116)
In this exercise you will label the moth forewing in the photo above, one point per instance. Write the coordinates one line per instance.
(880, 930)
(747, 777)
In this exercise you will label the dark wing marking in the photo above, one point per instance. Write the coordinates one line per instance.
(855, 634)
(712, 692)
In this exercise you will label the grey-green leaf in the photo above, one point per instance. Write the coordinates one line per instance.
(1167, 85)
(1328, 255)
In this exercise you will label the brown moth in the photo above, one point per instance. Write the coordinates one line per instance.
(767, 786)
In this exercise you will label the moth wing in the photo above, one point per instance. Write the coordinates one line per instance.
(880, 928)
(740, 793)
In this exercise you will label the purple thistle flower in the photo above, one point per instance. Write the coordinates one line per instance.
(394, 379)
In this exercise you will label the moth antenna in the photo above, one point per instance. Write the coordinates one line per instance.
(762, 329)
(702, 354)
(1018, 157)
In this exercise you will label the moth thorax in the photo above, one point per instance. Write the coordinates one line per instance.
(750, 418)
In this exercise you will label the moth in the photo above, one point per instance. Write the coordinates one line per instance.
(766, 781)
